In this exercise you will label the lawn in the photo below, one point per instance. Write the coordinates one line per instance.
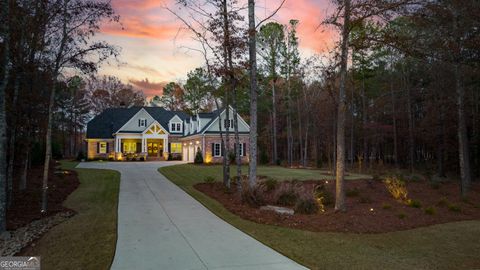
(87, 240)
(445, 246)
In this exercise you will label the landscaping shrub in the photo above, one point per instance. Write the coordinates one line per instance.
(209, 179)
(435, 185)
(286, 195)
(414, 203)
(352, 192)
(198, 158)
(365, 199)
(397, 188)
(264, 158)
(386, 206)
(307, 204)
(454, 208)
(270, 184)
(253, 196)
(402, 215)
(323, 195)
(443, 202)
(80, 156)
(430, 210)
(170, 157)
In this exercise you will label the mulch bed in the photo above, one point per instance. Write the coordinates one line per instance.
(26, 205)
(371, 209)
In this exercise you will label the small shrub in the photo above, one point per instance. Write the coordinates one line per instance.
(386, 206)
(142, 158)
(414, 203)
(454, 208)
(253, 196)
(307, 205)
(397, 188)
(286, 194)
(401, 215)
(435, 185)
(323, 195)
(80, 156)
(270, 184)
(198, 158)
(209, 179)
(443, 202)
(365, 199)
(430, 210)
(352, 192)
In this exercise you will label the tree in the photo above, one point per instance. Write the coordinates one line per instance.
(253, 93)
(5, 66)
(271, 41)
(70, 46)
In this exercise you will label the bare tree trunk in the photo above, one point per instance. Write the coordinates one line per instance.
(340, 188)
(3, 114)
(463, 152)
(228, 66)
(237, 139)
(274, 127)
(300, 134)
(22, 185)
(48, 148)
(252, 169)
(411, 142)
(394, 119)
(11, 144)
(364, 120)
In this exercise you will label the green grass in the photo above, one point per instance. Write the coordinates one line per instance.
(87, 240)
(445, 246)
(279, 173)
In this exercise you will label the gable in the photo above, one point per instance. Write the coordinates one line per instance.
(213, 126)
(155, 129)
(133, 124)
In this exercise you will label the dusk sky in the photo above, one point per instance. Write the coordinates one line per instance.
(153, 48)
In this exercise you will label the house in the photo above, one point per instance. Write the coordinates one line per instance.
(157, 133)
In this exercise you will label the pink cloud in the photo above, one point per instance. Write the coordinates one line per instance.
(149, 88)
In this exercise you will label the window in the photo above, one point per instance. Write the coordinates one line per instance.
(102, 147)
(176, 148)
(241, 148)
(217, 150)
(175, 127)
(228, 123)
(129, 147)
(142, 122)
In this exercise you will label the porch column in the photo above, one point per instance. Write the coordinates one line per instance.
(143, 145)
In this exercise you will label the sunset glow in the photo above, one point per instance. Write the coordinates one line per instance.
(155, 47)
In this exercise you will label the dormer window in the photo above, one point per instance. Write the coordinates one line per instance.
(176, 127)
(142, 122)
(228, 123)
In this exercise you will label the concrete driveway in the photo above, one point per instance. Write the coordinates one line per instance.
(162, 227)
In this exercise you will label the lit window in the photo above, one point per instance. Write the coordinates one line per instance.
(102, 147)
(176, 147)
(129, 147)
(217, 150)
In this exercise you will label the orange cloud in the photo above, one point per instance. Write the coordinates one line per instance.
(148, 88)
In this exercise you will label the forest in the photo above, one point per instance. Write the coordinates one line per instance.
(400, 89)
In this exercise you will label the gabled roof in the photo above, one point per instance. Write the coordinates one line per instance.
(111, 120)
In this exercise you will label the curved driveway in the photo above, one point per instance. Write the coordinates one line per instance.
(162, 227)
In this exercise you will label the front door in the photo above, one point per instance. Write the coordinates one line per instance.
(155, 149)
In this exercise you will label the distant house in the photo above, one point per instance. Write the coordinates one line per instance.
(157, 133)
